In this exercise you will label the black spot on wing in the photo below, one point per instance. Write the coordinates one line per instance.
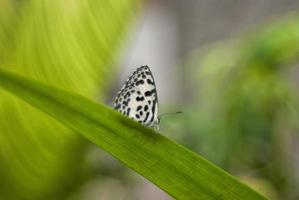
(139, 108)
(117, 106)
(139, 98)
(149, 81)
(127, 94)
(146, 117)
(149, 93)
(128, 111)
(153, 111)
(145, 107)
(125, 103)
(140, 82)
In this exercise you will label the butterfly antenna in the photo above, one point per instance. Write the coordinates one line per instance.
(174, 113)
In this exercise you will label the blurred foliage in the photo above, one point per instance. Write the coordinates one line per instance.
(68, 44)
(246, 108)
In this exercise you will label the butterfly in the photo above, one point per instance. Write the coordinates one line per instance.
(138, 98)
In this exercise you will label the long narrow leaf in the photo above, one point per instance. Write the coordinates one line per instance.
(175, 169)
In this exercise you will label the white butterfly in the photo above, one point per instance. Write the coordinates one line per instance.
(138, 98)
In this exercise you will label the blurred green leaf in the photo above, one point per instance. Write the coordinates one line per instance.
(175, 169)
(247, 103)
(69, 44)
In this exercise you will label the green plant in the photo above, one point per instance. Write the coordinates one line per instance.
(67, 44)
(175, 169)
(247, 104)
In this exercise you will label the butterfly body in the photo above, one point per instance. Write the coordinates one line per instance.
(138, 98)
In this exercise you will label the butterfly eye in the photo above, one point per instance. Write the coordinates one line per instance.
(138, 97)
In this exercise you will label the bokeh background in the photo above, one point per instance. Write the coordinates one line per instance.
(230, 66)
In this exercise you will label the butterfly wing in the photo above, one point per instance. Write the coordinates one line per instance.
(138, 97)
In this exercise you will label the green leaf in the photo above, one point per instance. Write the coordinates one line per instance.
(261, 97)
(175, 169)
(72, 45)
